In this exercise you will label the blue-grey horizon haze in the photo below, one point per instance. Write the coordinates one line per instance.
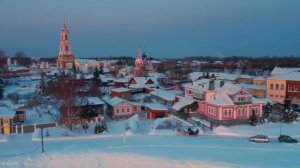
(165, 28)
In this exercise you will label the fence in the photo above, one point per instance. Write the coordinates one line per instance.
(19, 129)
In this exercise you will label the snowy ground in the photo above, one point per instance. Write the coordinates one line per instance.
(269, 129)
(148, 152)
(151, 144)
(128, 127)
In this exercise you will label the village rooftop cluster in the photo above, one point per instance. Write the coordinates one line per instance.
(74, 97)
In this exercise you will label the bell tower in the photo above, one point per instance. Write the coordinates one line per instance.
(139, 69)
(66, 59)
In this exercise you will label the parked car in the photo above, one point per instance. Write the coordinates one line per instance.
(259, 138)
(287, 139)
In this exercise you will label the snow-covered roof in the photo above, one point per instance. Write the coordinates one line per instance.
(164, 94)
(120, 89)
(202, 85)
(105, 78)
(155, 61)
(157, 75)
(182, 103)
(85, 61)
(114, 101)
(293, 76)
(17, 68)
(221, 99)
(193, 76)
(156, 106)
(230, 88)
(280, 70)
(94, 101)
(5, 111)
(222, 95)
(259, 78)
(88, 100)
(123, 80)
(246, 76)
(226, 76)
(141, 82)
(253, 86)
(264, 100)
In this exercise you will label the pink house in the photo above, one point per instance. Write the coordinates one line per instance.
(119, 108)
(224, 103)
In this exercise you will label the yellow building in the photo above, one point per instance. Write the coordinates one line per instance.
(6, 124)
(276, 89)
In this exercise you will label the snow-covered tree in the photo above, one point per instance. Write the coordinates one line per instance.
(1, 91)
(267, 109)
(42, 86)
(253, 119)
(14, 97)
(85, 126)
(100, 127)
(95, 85)
(288, 114)
(88, 112)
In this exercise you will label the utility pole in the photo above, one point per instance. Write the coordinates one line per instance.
(42, 136)
(124, 138)
(280, 129)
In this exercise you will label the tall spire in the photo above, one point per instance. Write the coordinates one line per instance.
(139, 53)
(65, 25)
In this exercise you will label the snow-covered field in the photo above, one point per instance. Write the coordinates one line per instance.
(94, 160)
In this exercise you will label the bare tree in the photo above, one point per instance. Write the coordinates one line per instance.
(67, 92)
(14, 97)
(22, 59)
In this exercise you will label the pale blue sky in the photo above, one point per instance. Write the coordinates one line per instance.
(166, 28)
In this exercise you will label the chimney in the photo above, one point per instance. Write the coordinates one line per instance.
(222, 83)
(211, 85)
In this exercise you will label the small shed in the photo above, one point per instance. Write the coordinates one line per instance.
(156, 110)
(121, 92)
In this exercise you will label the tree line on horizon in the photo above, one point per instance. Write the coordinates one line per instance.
(230, 62)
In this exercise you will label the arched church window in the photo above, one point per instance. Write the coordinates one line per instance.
(67, 48)
(66, 37)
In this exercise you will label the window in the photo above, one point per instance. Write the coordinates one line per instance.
(276, 95)
(117, 110)
(66, 37)
(212, 111)
(272, 95)
(122, 110)
(281, 87)
(296, 88)
(272, 86)
(127, 109)
(255, 110)
(241, 112)
(290, 88)
(227, 113)
(67, 48)
(277, 86)
(189, 91)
